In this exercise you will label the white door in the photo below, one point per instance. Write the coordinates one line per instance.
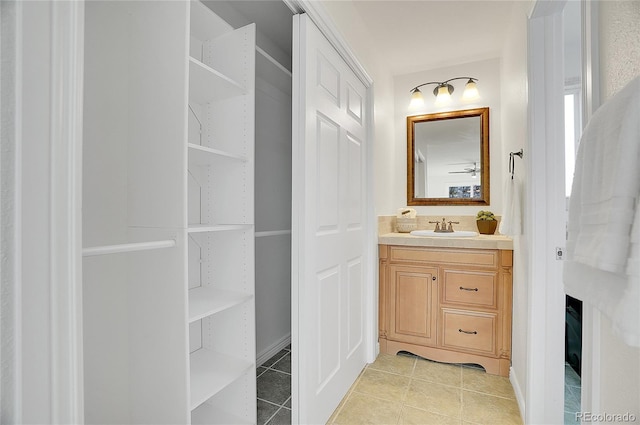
(328, 225)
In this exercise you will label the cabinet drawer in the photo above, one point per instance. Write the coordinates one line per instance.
(470, 288)
(469, 331)
(467, 257)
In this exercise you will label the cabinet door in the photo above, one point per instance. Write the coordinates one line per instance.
(413, 304)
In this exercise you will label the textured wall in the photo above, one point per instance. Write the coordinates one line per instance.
(620, 63)
(619, 44)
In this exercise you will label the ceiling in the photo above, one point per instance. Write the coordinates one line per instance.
(417, 35)
(409, 35)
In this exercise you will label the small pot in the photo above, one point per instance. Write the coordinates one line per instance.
(487, 227)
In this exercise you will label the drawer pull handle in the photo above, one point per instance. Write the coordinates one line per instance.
(468, 332)
(462, 288)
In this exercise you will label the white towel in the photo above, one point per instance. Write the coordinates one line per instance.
(603, 244)
(511, 222)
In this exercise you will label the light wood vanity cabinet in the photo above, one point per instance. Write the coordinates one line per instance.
(447, 304)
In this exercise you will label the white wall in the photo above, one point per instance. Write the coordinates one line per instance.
(619, 62)
(35, 311)
(514, 135)
(106, 322)
(273, 208)
(9, 217)
(488, 74)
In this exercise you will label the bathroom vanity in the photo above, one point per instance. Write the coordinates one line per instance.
(447, 299)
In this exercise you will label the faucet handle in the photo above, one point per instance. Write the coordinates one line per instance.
(437, 223)
(450, 225)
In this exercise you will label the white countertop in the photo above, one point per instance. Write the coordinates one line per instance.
(478, 242)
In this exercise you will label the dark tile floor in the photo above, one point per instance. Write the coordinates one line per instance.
(274, 389)
(572, 388)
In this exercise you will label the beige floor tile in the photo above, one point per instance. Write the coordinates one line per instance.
(486, 409)
(383, 385)
(402, 365)
(407, 390)
(480, 381)
(413, 416)
(362, 409)
(442, 373)
(436, 398)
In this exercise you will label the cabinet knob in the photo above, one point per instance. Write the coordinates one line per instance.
(433, 278)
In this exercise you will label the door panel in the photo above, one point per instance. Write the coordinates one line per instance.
(328, 237)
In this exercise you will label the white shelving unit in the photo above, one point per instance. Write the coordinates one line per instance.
(212, 372)
(168, 215)
(205, 301)
(220, 150)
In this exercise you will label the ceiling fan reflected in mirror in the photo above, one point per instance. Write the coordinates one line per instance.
(473, 171)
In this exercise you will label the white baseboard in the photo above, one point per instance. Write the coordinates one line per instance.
(518, 391)
(273, 349)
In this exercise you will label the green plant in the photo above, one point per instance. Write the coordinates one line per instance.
(485, 215)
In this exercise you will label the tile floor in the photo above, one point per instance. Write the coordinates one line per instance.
(274, 389)
(402, 389)
(405, 389)
(572, 396)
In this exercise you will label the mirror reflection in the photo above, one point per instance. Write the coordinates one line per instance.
(448, 158)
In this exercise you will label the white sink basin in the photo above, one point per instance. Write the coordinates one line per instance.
(455, 234)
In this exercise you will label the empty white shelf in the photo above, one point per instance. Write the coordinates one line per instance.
(127, 247)
(206, 84)
(198, 228)
(211, 372)
(206, 300)
(202, 155)
(207, 414)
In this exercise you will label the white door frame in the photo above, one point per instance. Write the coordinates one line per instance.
(591, 316)
(545, 370)
(58, 397)
(545, 227)
(67, 41)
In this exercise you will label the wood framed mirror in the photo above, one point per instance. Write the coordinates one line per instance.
(448, 158)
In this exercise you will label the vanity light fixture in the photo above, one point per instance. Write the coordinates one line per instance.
(443, 91)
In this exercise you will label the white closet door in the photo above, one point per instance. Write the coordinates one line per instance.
(328, 232)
